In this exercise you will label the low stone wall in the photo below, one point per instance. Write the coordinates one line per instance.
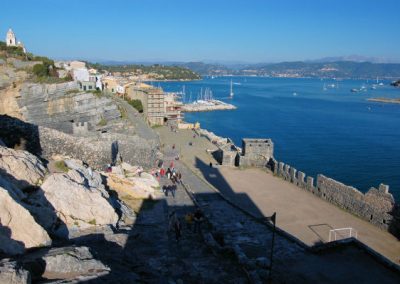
(376, 206)
(97, 150)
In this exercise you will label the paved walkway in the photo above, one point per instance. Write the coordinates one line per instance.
(141, 127)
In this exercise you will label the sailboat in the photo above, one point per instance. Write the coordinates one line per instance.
(231, 93)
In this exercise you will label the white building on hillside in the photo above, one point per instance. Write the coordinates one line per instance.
(80, 74)
(11, 40)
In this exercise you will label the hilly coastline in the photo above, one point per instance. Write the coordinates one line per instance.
(83, 197)
(336, 69)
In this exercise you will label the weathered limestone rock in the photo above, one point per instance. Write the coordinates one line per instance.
(134, 187)
(58, 105)
(18, 229)
(76, 203)
(9, 103)
(66, 263)
(22, 168)
(12, 273)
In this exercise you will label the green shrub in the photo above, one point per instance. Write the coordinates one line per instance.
(61, 166)
(40, 70)
(92, 222)
(137, 104)
(102, 122)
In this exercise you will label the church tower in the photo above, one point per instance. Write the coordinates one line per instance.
(10, 39)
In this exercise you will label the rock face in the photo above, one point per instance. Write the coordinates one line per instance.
(59, 105)
(12, 273)
(18, 229)
(137, 188)
(76, 202)
(22, 167)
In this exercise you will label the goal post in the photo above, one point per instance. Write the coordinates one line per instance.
(342, 233)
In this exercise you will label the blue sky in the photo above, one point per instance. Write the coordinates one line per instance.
(188, 30)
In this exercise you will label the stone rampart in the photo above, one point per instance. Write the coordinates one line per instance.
(256, 152)
(376, 206)
(97, 150)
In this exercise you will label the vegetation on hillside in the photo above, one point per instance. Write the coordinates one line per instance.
(137, 104)
(156, 71)
(43, 72)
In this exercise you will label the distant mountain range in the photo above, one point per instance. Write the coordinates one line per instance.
(353, 66)
(327, 69)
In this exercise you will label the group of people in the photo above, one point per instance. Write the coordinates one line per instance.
(192, 220)
(171, 174)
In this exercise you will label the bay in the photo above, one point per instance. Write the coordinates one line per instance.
(316, 127)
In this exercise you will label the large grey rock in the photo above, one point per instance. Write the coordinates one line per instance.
(65, 263)
(76, 203)
(18, 228)
(22, 168)
(12, 273)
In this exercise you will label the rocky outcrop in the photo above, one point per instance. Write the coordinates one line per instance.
(18, 229)
(137, 188)
(76, 203)
(8, 103)
(58, 106)
(22, 167)
(67, 263)
(11, 272)
(9, 75)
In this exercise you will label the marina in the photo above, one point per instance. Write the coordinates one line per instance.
(207, 105)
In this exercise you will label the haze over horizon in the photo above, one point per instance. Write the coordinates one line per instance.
(223, 31)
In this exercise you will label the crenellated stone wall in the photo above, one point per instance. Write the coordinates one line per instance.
(376, 206)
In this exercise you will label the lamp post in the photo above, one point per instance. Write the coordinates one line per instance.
(272, 218)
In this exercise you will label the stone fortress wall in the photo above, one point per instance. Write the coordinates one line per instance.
(97, 150)
(255, 152)
(376, 206)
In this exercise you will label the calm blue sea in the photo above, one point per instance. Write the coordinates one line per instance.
(334, 131)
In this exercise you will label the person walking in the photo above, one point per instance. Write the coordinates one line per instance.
(179, 177)
(189, 220)
(175, 224)
(198, 218)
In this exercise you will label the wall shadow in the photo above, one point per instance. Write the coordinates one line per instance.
(316, 229)
(19, 135)
(35, 202)
(214, 177)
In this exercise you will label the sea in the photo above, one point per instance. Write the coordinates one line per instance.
(318, 126)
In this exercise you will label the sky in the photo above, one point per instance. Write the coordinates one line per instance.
(203, 30)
